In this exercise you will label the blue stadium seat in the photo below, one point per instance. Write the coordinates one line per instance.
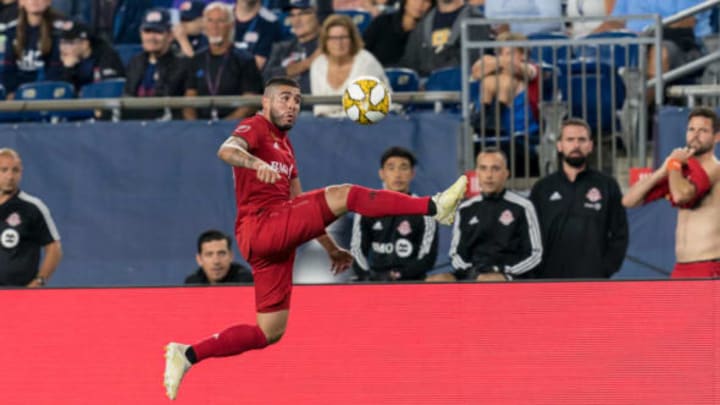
(403, 79)
(110, 88)
(445, 79)
(549, 54)
(617, 55)
(127, 51)
(48, 90)
(361, 18)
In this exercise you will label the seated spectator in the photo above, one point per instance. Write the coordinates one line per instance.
(496, 235)
(32, 46)
(8, 11)
(87, 59)
(156, 71)
(396, 247)
(221, 69)
(504, 9)
(215, 258)
(188, 32)
(343, 59)
(387, 34)
(293, 57)
(680, 39)
(118, 21)
(511, 80)
(587, 8)
(256, 29)
(435, 42)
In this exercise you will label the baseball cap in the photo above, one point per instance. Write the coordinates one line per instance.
(72, 30)
(191, 10)
(291, 4)
(156, 19)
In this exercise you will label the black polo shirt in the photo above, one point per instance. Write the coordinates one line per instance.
(25, 227)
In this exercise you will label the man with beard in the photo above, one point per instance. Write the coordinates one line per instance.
(689, 179)
(274, 217)
(582, 221)
(221, 69)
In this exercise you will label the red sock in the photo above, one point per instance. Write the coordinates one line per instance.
(380, 203)
(233, 340)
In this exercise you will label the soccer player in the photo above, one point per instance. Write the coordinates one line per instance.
(274, 217)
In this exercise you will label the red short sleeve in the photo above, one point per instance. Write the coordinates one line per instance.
(696, 175)
(661, 190)
(247, 130)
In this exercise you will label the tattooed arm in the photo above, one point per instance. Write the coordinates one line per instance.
(234, 152)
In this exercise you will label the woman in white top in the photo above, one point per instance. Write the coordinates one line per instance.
(587, 8)
(342, 60)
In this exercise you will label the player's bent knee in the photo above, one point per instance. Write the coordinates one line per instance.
(441, 277)
(337, 197)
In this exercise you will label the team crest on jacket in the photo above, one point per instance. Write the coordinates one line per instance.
(506, 218)
(593, 195)
(404, 228)
(14, 219)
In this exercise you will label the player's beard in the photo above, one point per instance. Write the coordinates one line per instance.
(575, 161)
(276, 119)
(701, 149)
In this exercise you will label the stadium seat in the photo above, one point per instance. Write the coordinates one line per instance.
(445, 79)
(549, 54)
(127, 51)
(403, 79)
(48, 90)
(110, 88)
(361, 18)
(614, 55)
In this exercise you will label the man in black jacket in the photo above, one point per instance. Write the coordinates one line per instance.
(496, 235)
(156, 71)
(584, 225)
(214, 256)
(397, 247)
(87, 59)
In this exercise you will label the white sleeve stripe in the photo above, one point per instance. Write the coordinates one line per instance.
(428, 237)
(457, 261)
(536, 249)
(356, 244)
(44, 211)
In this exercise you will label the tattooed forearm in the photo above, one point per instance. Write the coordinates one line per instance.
(234, 152)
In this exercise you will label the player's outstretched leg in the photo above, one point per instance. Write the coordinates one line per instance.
(446, 202)
(176, 365)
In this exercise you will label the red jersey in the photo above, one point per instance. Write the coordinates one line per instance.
(271, 145)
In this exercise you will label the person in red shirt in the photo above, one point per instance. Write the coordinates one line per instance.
(274, 216)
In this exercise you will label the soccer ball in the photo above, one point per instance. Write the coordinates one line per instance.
(366, 100)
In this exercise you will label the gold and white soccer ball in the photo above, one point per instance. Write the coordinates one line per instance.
(366, 100)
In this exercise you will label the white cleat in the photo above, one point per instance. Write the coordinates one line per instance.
(176, 365)
(446, 202)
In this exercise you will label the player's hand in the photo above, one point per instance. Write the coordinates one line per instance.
(266, 173)
(341, 260)
(681, 154)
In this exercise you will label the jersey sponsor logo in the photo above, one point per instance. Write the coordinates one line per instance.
(9, 238)
(403, 248)
(13, 219)
(404, 228)
(377, 226)
(383, 248)
(555, 196)
(281, 168)
(506, 218)
(593, 206)
(593, 195)
(473, 221)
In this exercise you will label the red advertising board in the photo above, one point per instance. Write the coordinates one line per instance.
(652, 342)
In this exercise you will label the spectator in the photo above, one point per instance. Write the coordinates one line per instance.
(503, 9)
(512, 81)
(435, 42)
(387, 34)
(26, 229)
(156, 71)
(215, 258)
(587, 8)
(256, 29)
(293, 57)
(8, 11)
(496, 235)
(177, 3)
(680, 39)
(32, 47)
(188, 32)
(221, 69)
(343, 59)
(118, 21)
(583, 223)
(395, 247)
(87, 59)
